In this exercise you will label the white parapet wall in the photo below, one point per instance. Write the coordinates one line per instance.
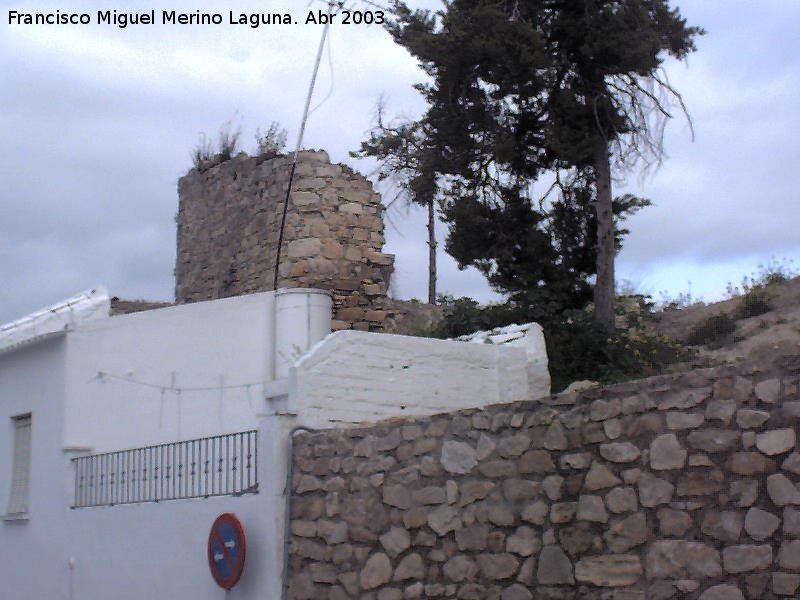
(529, 336)
(185, 371)
(355, 377)
(95, 384)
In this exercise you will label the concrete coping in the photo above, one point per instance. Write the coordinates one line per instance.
(284, 291)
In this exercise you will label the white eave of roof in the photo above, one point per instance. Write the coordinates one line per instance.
(56, 319)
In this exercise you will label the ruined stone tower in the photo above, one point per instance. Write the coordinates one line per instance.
(228, 221)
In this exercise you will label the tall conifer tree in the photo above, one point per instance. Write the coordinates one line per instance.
(518, 88)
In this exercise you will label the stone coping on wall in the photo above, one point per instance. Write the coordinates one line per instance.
(682, 486)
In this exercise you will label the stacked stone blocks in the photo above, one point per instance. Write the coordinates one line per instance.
(228, 227)
(674, 487)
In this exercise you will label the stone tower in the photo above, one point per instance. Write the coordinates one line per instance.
(228, 221)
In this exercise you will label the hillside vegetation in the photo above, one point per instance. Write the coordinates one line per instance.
(759, 321)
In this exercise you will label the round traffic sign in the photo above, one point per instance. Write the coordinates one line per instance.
(226, 550)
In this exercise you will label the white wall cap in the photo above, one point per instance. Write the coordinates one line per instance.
(371, 338)
(282, 291)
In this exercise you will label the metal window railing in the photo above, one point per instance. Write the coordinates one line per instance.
(221, 465)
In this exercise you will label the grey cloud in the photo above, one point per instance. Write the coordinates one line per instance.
(98, 131)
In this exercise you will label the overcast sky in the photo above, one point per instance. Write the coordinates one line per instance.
(97, 124)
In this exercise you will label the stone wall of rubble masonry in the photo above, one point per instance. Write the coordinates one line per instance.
(682, 486)
(228, 221)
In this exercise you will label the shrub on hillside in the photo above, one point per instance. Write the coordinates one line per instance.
(754, 302)
(776, 271)
(754, 291)
(462, 316)
(714, 331)
(577, 348)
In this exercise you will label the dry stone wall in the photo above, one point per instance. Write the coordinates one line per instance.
(674, 487)
(228, 224)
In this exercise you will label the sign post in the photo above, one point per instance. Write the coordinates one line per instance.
(226, 550)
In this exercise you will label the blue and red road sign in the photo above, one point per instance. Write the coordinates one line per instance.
(226, 550)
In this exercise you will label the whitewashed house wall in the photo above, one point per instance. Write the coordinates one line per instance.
(34, 546)
(191, 371)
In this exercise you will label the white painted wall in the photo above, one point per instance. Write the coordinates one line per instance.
(354, 376)
(32, 381)
(158, 550)
(529, 336)
(177, 373)
(132, 380)
(301, 320)
(125, 552)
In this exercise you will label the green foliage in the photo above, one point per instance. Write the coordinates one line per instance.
(713, 332)
(540, 255)
(577, 348)
(404, 157)
(635, 309)
(754, 294)
(754, 302)
(206, 154)
(407, 160)
(272, 142)
(540, 260)
(681, 301)
(773, 272)
(519, 89)
(776, 271)
(462, 316)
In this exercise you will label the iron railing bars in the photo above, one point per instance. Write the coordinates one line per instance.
(219, 465)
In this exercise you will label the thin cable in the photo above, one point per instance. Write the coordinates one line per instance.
(375, 5)
(299, 143)
(173, 388)
(330, 68)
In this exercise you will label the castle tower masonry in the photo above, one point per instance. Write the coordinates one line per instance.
(229, 218)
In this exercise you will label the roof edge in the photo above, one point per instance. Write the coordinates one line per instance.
(55, 319)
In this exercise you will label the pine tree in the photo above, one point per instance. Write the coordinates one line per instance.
(518, 89)
(405, 158)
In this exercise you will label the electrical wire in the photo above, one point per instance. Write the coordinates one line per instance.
(342, 5)
(101, 375)
(299, 143)
(330, 68)
(375, 5)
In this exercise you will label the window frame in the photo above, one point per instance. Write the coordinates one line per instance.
(19, 491)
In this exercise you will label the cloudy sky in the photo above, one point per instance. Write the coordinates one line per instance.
(97, 124)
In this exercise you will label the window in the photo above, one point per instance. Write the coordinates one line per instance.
(20, 475)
